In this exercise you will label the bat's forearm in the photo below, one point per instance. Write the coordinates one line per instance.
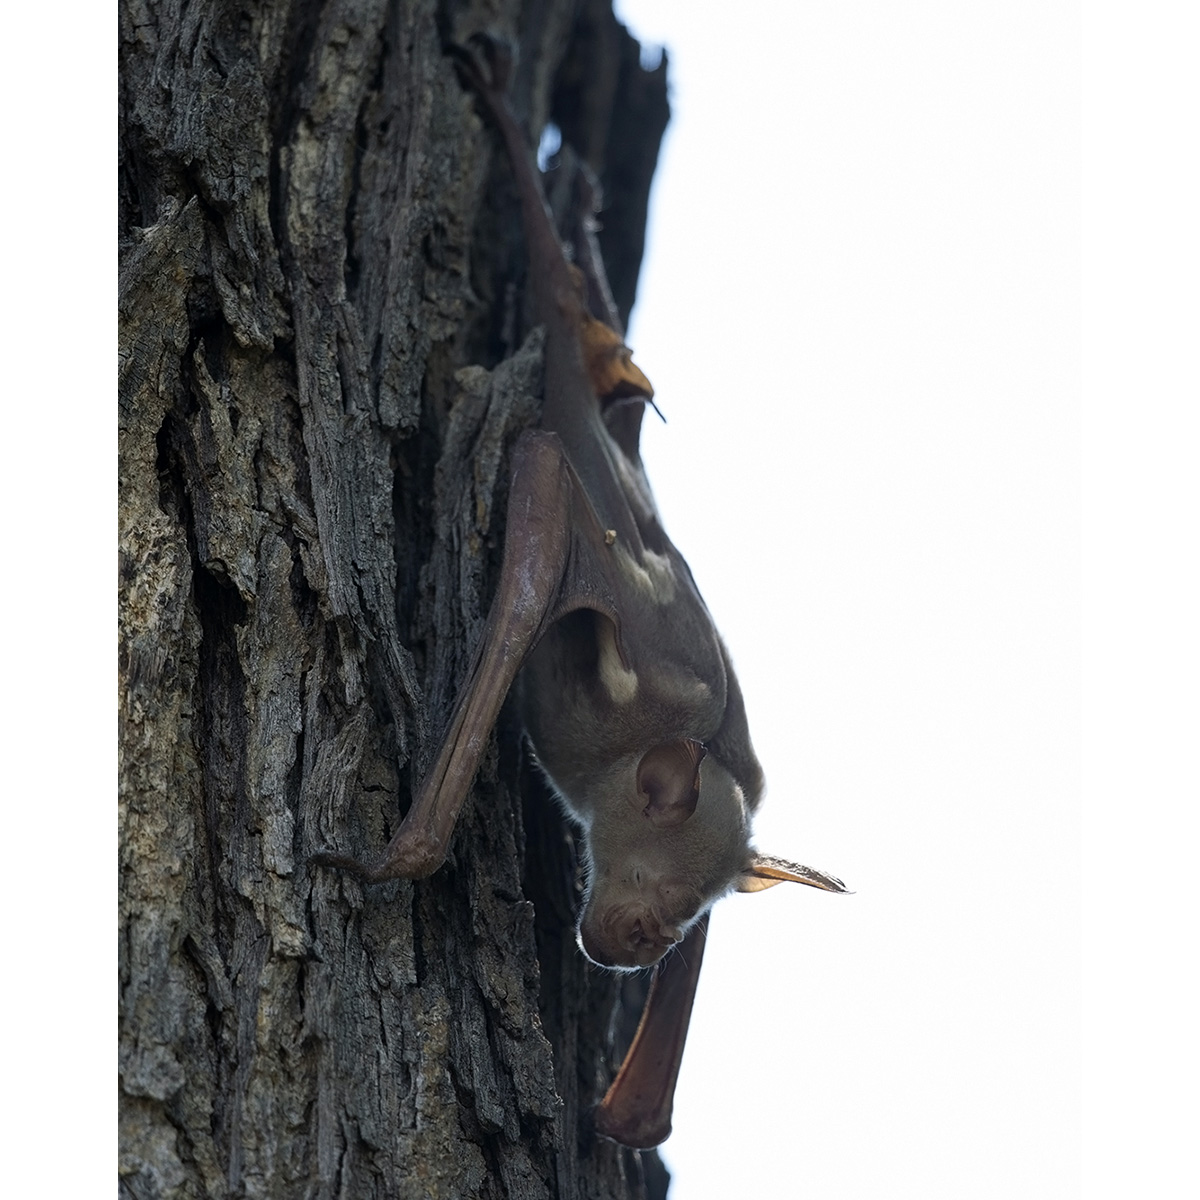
(537, 545)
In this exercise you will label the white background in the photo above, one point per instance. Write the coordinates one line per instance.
(860, 308)
(872, 462)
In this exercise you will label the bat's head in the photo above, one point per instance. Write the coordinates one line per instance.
(667, 837)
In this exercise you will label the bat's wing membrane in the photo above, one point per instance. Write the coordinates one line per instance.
(636, 1110)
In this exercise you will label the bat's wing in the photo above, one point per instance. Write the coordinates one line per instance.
(636, 1110)
(555, 561)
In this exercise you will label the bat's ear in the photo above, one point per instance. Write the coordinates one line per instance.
(668, 782)
(766, 871)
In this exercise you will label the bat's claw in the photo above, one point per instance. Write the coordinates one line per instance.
(486, 62)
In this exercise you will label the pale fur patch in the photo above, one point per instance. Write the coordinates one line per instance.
(654, 577)
(620, 681)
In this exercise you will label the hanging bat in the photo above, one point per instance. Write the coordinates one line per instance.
(626, 690)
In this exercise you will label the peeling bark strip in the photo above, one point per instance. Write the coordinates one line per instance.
(320, 376)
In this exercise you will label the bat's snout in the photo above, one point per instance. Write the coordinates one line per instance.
(627, 940)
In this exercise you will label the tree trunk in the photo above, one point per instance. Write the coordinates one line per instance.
(321, 374)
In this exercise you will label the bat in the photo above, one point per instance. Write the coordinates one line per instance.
(626, 690)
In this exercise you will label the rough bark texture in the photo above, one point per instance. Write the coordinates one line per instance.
(321, 373)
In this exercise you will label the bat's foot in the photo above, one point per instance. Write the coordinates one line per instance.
(486, 62)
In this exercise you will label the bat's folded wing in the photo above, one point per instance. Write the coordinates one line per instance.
(555, 561)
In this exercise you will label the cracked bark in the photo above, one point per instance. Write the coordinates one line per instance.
(321, 373)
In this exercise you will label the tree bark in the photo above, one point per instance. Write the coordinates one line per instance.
(321, 373)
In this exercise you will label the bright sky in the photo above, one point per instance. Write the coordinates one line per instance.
(860, 310)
